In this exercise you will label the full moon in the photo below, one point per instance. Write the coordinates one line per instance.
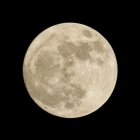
(70, 70)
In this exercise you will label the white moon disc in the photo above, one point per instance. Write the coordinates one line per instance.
(70, 70)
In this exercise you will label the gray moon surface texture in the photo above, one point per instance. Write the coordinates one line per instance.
(70, 70)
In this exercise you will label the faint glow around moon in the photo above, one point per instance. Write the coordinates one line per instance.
(70, 70)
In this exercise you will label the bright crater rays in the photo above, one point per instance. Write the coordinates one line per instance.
(70, 70)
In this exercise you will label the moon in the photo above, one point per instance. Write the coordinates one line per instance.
(70, 70)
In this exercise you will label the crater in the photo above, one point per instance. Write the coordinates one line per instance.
(87, 33)
(83, 51)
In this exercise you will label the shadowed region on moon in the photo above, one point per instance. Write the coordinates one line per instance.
(98, 47)
(58, 94)
(66, 49)
(87, 33)
(69, 71)
(100, 61)
(81, 51)
(45, 68)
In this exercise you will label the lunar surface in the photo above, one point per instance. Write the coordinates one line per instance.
(70, 70)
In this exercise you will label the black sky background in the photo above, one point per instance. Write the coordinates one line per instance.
(22, 22)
